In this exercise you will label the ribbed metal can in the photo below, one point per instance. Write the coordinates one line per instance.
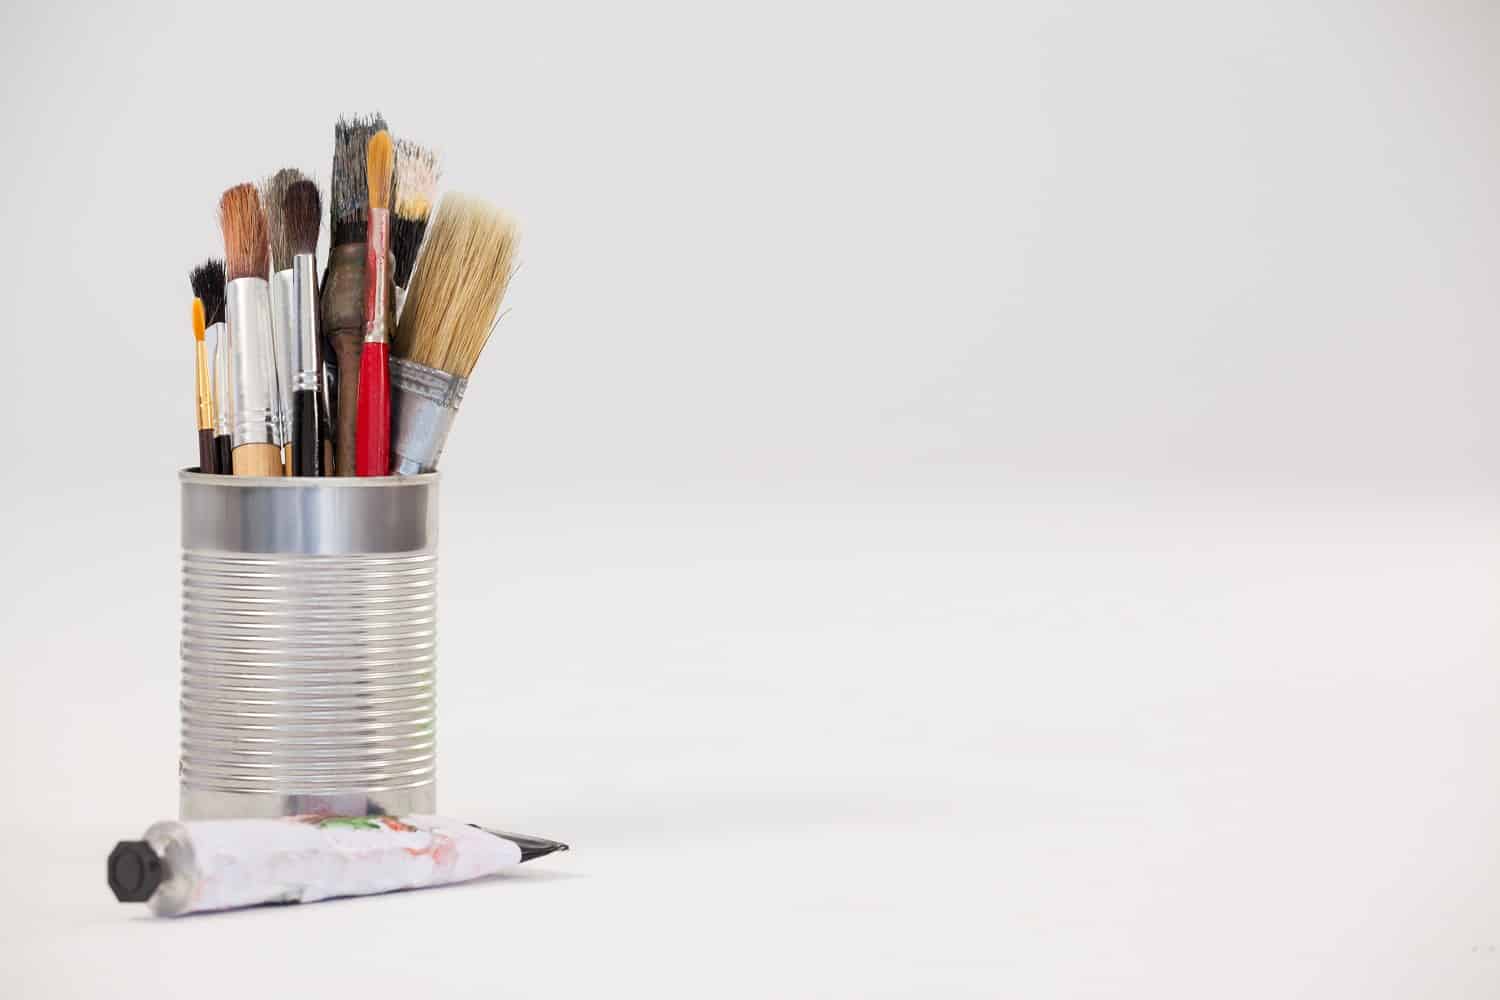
(309, 645)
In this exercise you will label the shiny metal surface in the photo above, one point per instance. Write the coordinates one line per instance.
(284, 340)
(309, 645)
(223, 404)
(247, 309)
(306, 353)
(424, 402)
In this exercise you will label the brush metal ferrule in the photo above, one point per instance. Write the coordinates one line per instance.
(378, 277)
(307, 355)
(424, 402)
(284, 338)
(223, 402)
(247, 309)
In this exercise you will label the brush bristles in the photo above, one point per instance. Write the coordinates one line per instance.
(199, 325)
(272, 195)
(349, 194)
(456, 294)
(303, 210)
(207, 280)
(417, 173)
(380, 165)
(247, 249)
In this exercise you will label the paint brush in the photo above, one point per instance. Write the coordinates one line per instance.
(302, 210)
(453, 307)
(207, 280)
(272, 196)
(417, 173)
(207, 456)
(373, 436)
(343, 294)
(247, 294)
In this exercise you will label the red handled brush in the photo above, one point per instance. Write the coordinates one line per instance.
(373, 429)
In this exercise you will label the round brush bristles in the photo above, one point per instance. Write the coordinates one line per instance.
(272, 194)
(199, 324)
(207, 280)
(380, 167)
(349, 195)
(456, 293)
(302, 208)
(247, 248)
(417, 173)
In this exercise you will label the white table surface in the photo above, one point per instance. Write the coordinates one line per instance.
(893, 747)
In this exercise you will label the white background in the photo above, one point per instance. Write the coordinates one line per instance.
(991, 500)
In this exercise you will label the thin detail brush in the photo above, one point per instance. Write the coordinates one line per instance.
(247, 254)
(302, 209)
(373, 432)
(453, 307)
(272, 196)
(207, 280)
(207, 456)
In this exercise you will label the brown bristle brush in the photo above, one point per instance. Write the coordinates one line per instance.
(247, 310)
(450, 312)
(311, 451)
(272, 198)
(343, 297)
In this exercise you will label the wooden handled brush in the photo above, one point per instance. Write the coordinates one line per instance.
(343, 294)
(373, 430)
(208, 456)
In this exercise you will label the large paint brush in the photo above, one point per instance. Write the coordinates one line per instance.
(454, 304)
(343, 293)
(247, 295)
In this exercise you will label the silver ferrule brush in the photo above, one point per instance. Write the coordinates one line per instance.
(247, 308)
(424, 402)
(223, 403)
(284, 337)
(307, 354)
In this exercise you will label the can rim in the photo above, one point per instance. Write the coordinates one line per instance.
(192, 475)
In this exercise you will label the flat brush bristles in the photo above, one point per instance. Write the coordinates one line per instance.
(272, 195)
(302, 208)
(349, 195)
(200, 325)
(207, 280)
(247, 248)
(417, 173)
(380, 166)
(456, 293)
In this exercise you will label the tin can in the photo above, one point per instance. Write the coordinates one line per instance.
(309, 646)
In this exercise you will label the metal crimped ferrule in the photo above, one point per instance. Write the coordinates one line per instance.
(247, 309)
(424, 402)
(284, 339)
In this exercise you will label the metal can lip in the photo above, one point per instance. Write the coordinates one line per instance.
(192, 475)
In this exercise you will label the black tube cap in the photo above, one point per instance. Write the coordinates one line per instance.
(134, 871)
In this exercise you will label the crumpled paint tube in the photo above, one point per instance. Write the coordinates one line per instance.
(179, 868)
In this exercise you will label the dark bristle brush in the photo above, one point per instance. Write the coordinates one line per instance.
(417, 173)
(207, 280)
(343, 297)
(302, 211)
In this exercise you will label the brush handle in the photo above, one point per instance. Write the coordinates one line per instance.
(348, 344)
(224, 465)
(257, 460)
(208, 455)
(374, 440)
(307, 437)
